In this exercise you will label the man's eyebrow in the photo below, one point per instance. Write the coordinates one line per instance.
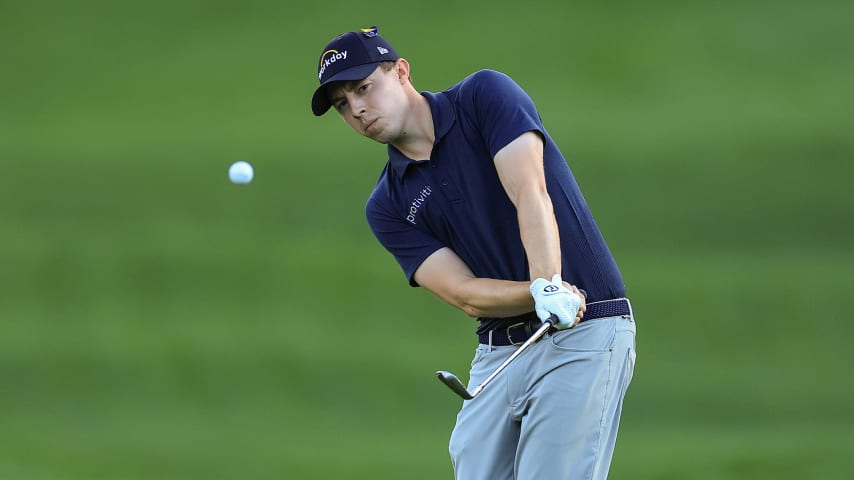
(335, 96)
(335, 93)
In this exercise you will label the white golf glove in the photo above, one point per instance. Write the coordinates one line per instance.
(551, 297)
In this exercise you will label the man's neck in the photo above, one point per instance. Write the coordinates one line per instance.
(416, 140)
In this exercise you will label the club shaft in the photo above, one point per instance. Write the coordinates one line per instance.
(536, 336)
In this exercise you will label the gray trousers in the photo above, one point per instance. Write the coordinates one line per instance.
(553, 413)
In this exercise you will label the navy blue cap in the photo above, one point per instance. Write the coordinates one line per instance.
(349, 56)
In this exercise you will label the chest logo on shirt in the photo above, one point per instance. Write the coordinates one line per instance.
(417, 202)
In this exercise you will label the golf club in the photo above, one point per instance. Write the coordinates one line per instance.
(457, 386)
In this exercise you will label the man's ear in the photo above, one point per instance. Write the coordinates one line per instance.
(402, 68)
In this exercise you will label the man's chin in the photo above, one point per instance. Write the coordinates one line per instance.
(378, 137)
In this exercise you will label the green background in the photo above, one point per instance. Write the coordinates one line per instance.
(159, 322)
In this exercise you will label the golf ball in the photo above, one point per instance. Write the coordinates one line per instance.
(240, 172)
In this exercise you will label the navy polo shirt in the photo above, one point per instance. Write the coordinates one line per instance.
(454, 199)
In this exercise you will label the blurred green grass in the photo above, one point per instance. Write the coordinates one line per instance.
(158, 322)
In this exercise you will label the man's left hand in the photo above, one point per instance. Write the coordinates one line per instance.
(555, 298)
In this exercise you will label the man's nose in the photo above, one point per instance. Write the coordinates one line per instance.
(357, 107)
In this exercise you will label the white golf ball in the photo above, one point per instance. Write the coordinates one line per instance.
(240, 172)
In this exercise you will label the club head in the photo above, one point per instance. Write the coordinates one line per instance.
(454, 384)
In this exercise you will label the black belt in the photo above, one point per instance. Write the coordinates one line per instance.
(517, 333)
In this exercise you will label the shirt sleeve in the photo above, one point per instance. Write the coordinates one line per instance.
(502, 109)
(409, 245)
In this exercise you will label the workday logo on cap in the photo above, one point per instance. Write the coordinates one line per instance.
(328, 58)
(349, 56)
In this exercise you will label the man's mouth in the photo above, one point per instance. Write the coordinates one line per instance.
(370, 124)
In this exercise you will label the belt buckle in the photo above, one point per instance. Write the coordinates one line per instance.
(510, 337)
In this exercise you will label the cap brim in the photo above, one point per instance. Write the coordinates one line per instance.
(320, 100)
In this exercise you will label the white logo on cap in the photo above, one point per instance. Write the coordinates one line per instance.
(382, 50)
(328, 58)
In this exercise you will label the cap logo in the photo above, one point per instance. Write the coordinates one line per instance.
(328, 58)
(370, 32)
(382, 50)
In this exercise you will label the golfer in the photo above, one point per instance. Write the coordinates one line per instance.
(478, 206)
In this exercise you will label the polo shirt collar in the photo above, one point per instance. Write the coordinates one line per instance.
(443, 119)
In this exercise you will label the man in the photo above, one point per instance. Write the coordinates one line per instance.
(479, 207)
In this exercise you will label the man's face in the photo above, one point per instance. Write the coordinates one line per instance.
(374, 106)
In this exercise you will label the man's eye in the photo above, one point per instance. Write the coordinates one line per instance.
(362, 88)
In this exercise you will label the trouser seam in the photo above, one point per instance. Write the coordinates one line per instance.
(597, 449)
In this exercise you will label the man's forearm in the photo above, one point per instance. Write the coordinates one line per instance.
(487, 297)
(539, 233)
